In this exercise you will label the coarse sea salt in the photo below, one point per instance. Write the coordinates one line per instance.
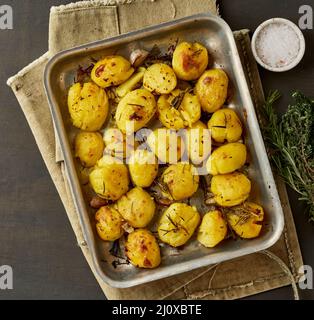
(277, 45)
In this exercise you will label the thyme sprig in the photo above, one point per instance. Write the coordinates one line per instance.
(290, 141)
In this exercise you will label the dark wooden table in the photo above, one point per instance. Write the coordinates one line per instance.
(36, 238)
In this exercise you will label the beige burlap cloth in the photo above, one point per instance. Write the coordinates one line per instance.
(82, 22)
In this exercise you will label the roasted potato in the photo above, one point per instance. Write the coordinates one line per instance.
(180, 181)
(213, 229)
(230, 189)
(135, 110)
(189, 61)
(178, 224)
(211, 89)
(143, 167)
(110, 178)
(142, 249)
(88, 106)
(109, 224)
(166, 145)
(89, 148)
(137, 207)
(118, 144)
(179, 109)
(246, 220)
(111, 71)
(198, 142)
(159, 78)
(226, 159)
(225, 125)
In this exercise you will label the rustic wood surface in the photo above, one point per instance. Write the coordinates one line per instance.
(35, 236)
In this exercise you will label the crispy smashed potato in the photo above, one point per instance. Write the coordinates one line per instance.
(109, 224)
(159, 78)
(225, 125)
(227, 158)
(142, 249)
(166, 145)
(180, 181)
(135, 110)
(189, 60)
(178, 224)
(88, 106)
(110, 178)
(89, 148)
(230, 189)
(137, 207)
(143, 167)
(179, 109)
(111, 71)
(213, 229)
(211, 89)
(246, 220)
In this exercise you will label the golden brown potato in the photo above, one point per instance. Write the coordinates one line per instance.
(110, 178)
(142, 249)
(230, 189)
(109, 224)
(159, 78)
(246, 220)
(135, 110)
(89, 148)
(198, 141)
(227, 158)
(118, 144)
(178, 224)
(137, 207)
(211, 89)
(88, 106)
(190, 60)
(166, 145)
(111, 71)
(213, 229)
(143, 167)
(225, 125)
(180, 181)
(179, 109)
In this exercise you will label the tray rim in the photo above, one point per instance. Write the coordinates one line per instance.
(74, 185)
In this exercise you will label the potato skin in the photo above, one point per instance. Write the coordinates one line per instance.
(110, 178)
(137, 207)
(230, 189)
(135, 110)
(227, 158)
(111, 71)
(189, 61)
(159, 78)
(211, 89)
(213, 229)
(109, 224)
(198, 142)
(88, 106)
(178, 224)
(143, 167)
(89, 148)
(225, 125)
(142, 249)
(166, 145)
(181, 180)
(251, 226)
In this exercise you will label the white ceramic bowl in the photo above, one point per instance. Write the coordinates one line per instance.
(265, 30)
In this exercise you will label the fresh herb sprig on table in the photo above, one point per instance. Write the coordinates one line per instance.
(291, 144)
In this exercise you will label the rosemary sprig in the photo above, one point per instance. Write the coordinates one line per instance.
(290, 141)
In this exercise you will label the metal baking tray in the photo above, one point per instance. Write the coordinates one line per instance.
(216, 35)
